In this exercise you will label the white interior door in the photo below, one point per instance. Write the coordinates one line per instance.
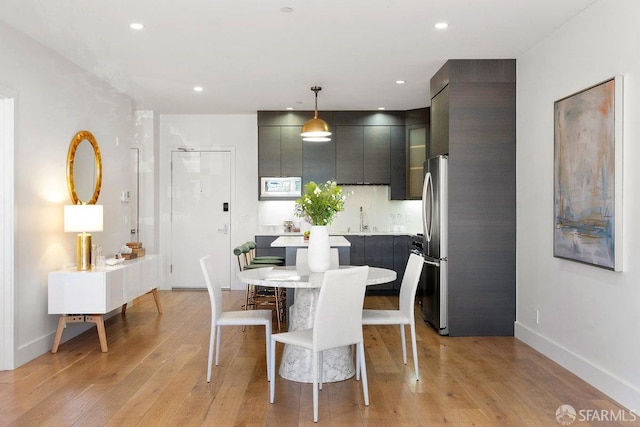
(200, 219)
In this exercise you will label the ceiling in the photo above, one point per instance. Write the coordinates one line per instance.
(249, 55)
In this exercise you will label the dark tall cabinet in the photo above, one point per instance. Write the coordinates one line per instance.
(473, 121)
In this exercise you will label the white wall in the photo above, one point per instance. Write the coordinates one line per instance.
(238, 132)
(147, 142)
(54, 100)
(589, 317)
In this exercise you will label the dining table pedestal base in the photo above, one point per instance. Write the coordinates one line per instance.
(296, 362)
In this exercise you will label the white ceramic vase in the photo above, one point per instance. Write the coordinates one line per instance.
(319, 257)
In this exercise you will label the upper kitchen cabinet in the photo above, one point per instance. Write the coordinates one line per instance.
(398, 163)
(417, 125)
(349, 154)
(377, 154)
(439, 143)
(367, 147)
(363, 145)
(279, 143)
(318, 161)
(363, 154)
(279, 151)
(473, 120)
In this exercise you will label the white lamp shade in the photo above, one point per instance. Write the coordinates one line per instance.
(81, 218)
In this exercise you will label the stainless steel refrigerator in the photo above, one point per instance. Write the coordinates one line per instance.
(434, 220)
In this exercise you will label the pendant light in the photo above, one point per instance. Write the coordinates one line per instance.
(315, 130)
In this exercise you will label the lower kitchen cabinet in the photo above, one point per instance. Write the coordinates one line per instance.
(401, 252)
(263, 247)
(378, 252)
(390, 252)
(357, 249)
(385, 251)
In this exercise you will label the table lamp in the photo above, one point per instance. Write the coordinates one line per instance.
(82, 219)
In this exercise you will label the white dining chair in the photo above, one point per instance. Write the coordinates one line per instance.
(337, 323)
(229, 318)
(405, 314)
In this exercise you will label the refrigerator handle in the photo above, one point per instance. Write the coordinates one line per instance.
(427, 217)
(437, 264)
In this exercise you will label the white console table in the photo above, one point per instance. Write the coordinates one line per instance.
(86, 296)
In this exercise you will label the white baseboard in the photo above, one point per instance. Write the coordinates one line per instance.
(621, 391)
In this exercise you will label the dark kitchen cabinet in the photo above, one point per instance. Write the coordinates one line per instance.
(439, 143)
(473, 119)
(357, 249)
(318, 161)
(417, 124)
(269, 151)
(291, 161)
(397, 163)
(279, 151)
(366, 147)
(363, 154)
(401, 252)
(377, 251)
(377, 152)
(349, 154)
(263, 247)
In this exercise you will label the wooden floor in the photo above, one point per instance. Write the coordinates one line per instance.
(154, 375)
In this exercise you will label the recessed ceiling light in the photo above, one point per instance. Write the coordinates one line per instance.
(136, 26)
(381, 108)
(441, 25)
(198, 88)
(289, 108)
(400, 82)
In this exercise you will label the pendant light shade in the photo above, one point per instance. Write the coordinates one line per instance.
(315, 130)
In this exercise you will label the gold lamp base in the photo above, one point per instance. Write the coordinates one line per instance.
(83, 251)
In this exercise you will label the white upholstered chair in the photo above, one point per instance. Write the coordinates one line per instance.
(225, 318)
(337, 323)
(405, 314)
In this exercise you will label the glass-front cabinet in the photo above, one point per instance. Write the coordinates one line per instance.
(417, 154)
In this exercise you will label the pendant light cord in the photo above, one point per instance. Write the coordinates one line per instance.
(316, 89)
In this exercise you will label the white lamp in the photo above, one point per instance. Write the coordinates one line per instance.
(81, 219)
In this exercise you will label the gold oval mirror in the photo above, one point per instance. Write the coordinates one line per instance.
(84, 169)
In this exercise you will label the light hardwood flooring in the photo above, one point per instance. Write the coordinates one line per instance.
(155, 375)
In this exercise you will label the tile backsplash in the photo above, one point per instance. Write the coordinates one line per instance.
(379, 213)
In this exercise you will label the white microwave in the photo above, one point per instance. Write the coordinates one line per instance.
(280, 187)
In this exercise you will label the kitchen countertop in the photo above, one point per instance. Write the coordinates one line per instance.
(345, 233)
(298, 241)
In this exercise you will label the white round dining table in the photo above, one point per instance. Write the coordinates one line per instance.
(296, 362)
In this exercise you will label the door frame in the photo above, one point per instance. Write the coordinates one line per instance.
(165, 202)
(7, 206)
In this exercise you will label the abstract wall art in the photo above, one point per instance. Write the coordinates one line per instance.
(588, 176)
